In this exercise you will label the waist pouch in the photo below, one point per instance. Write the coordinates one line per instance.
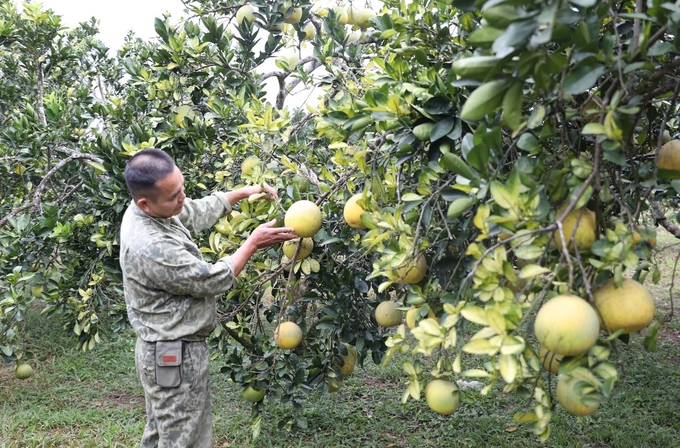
(168, 363)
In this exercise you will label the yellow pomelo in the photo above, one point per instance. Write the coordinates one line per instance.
(249, 163)
(352, 37)
(304, 217)
(668, 160)
(581, 225)
(277, 27)
(37, 291)
(629, 307)
(292, 57)
(387, 314)
(637, 236)
(442, 397)
(287, 335)
(289, 248)
(309, 30)
(352, 212)
(245, 12)
(294, 16)
(567, 325)
(349, 361)
(410, 271)
(570, 399)
(183, 111)
(253, 395)
(550, 360)
(341, 14)
(362, 18)
(23, 371)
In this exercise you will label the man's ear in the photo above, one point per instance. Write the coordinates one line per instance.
(143, 204)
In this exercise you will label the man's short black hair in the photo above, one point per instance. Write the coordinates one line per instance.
(146, 168)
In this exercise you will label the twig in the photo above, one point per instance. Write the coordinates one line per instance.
(35, 202)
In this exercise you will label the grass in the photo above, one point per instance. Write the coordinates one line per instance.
(93, 399)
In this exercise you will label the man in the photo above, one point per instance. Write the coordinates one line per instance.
(170, 293)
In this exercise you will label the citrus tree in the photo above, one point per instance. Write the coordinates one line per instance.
(472, 162)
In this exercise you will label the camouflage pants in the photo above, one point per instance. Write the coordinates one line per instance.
(177, 417)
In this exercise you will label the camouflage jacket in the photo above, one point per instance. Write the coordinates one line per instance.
(169, 289)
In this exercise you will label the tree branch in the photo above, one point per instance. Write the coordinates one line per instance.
(661, 219)
(35, 202)
(41, 92)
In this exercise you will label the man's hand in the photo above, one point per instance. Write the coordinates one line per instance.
(265, 190)
(266, 235)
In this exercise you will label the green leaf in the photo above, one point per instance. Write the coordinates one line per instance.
(584, 3)
(508, 367)
(97, 166)
(410, 197)
(437, 105)
(528, 252)
(593, 128)
(652, 336)
(501, 195)
(475, 373)
(484, 100)
(458, 207)
(512, 345)
(536, 117)
(512, 106)
(474, 314)
(532, 270)
(496, 321)
(527, 142)
(457, 165)
(480, 347)
(485, 36)
(583, 76)
(441, 129)
(525, 417)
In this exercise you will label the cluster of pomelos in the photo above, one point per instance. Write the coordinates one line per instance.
(568, 325)
(289, 14)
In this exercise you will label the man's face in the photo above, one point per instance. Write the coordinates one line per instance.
(169, 199)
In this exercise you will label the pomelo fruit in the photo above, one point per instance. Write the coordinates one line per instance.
(23, 371)
(289, 248)
(567, 325)
(570, 399)
(668, 160)
(304, 217)
(249, 163)
(629, 307)
(352, 212)
(362, 18)
(412, 270)
(550, 360)
(253, 395)
(442, 396)
(581, 225)
(349, 361)
(310, 31)
(387, 314)
(287, 335)
(245, 12)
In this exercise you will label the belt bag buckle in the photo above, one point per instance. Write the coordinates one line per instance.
(168, 363)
